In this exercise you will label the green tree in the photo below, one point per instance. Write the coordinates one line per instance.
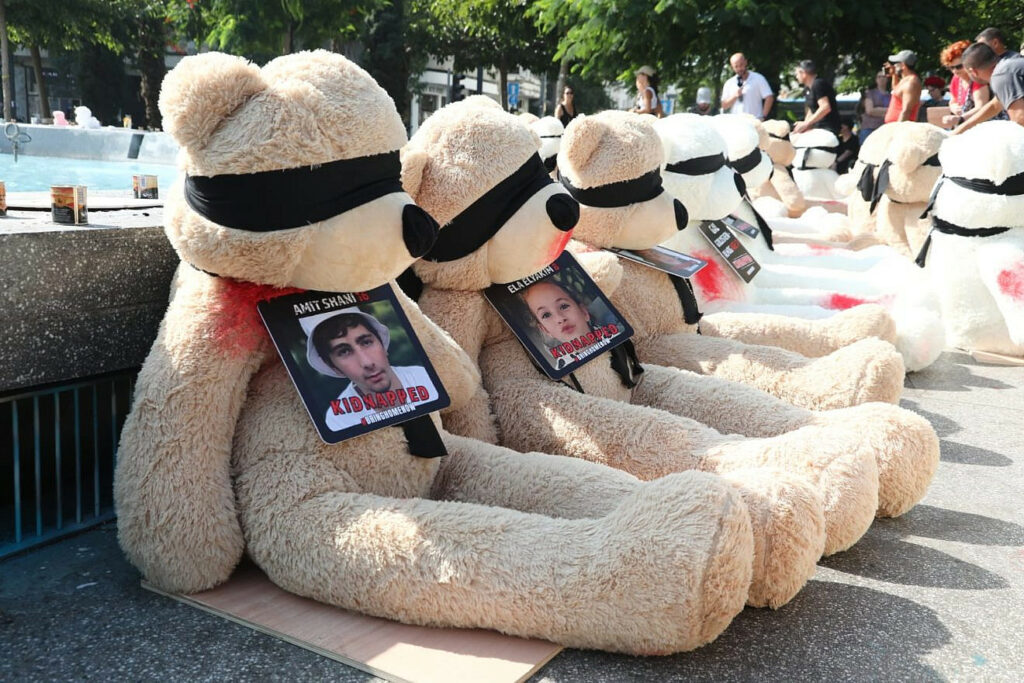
(397, 42)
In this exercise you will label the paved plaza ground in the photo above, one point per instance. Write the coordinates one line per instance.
(935, 595)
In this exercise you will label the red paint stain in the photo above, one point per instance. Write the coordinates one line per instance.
(559, 246)
(842, 301)
(819, 247)
(1011, 281)
(237, 326)
(711, 280)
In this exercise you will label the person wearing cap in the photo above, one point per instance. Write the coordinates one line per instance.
(703, 104)
(749, 92)
(936, 87)
(353, 345)
(995, 40)
(820, 108)
(906, 87)
(1005, 76)
(647, 101)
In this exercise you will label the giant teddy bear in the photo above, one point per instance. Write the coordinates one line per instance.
(603, 154)
(476, 169)
(293, 182)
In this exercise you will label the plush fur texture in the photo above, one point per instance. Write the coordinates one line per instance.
(643, 430)
(903, 444)
(550, 130)
(812, 170)
(786, 287)
(776, 143)
(218, 455)
(980, 280)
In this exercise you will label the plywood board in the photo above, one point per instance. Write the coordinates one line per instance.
(388, 649)
(996, 358)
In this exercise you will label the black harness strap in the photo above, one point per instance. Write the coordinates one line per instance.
(833, 149)
(684, 290)
(881, 184)
(947, 228)
(626, 364)
(697, 165)
(424, 440)
(747, 163)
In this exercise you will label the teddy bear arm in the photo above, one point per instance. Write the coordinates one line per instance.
(889, 225)
(457, 372)
(460, 315)
(603, 267)
(552, 485)
(176, 507)
(473, 419)
(1001, 265)
(787, 191)
(540, 415)
(726, 406)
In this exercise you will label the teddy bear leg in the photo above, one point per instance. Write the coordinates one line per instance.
(552, 485)
(1001, 266)
(869, 370)
(473, 419)
(665, 571)
(726, 406)
(786, 512)
(811, 338)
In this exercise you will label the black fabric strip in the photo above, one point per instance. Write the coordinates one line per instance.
(866, 184)
(614, 195)
(626, 364)
(424, 441)
(779, 137)
(933, 160)
(803, 160)
(684, 290)
(551, 162)
(293, 197)
(698, 165)
(881, 184)
(1011, 187)
(762, 225)
(947, 228)
(478, 223)
(747, 163)
(544, 137)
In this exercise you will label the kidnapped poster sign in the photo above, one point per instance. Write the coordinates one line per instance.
(560, 316)
(354, 359)
(730, 248)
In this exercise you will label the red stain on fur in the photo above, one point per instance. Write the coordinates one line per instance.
(843, 301)
(712, 279)
(237, 325)
(1011, 281)
(820, 247)
(558, 247)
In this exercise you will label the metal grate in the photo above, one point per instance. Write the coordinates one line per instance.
(57, 452)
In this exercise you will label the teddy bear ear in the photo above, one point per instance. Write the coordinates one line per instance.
(203, 90)
(414, 162)
(581, 139)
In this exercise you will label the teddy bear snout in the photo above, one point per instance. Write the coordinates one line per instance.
(419, 230)
(563, 211)
(682, 215)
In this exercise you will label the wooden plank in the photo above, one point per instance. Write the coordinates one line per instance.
(996, 358)
(397, 652)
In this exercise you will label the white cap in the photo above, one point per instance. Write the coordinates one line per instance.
(311, 322)
(704, 95)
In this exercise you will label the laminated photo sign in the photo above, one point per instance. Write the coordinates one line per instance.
(737, 223)
(354, 359)
(730, 248)
(664, 259)
(560, 316)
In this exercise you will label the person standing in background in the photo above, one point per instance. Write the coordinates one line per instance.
(906, 87)
(873, 104)
(820, 108)
(749, 92)
(1004, 75)
(993, 109)
(703, 104)
(964, 94)
(566, 109)
(647, 101)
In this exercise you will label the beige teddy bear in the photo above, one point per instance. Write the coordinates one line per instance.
(293, 182)
(605, 153)
(459, 165)
(780, 185)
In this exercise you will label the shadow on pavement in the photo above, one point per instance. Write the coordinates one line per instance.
(942, 425)
(951, 525)
(954, 375)
(829, 631)
(963, 454)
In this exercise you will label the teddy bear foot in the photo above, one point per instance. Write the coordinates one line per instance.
(869, 370)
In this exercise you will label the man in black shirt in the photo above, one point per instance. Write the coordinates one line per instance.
(821, 110)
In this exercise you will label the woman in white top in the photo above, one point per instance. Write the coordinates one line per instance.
(647, 101)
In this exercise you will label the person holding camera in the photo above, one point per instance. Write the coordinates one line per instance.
(749, 92)
(906, 87)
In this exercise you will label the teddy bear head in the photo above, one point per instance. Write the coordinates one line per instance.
(286, 181)
(695, 170)
(913, 162)
(743, 147)
(817, 148)
(549, 130)
(611, 164)
(476, 170)
(983, 177)
(777, 144)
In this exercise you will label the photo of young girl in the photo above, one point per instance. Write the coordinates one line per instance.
(560, 316)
